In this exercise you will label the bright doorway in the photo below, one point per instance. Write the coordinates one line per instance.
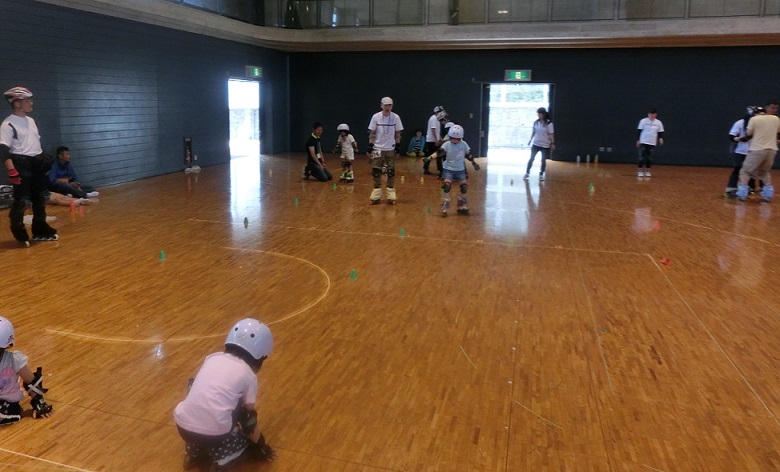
(512, 112)
(244, 105)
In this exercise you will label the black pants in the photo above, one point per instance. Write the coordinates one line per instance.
(430, 148)
(32, 191)
(545, 155)
(646, 155)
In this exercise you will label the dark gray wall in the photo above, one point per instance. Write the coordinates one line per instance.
(600, 94)
(122, 95)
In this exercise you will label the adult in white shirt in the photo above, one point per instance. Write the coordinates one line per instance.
(218, 420)
(384, 144)
(650, 133)
(542, 140)
(433, 138)
(27, 166)
(763, 130)
(739, 150)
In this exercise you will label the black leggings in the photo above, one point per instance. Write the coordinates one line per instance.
(31, 192)
(739, 159)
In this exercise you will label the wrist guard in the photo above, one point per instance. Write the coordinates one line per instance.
(40, 407)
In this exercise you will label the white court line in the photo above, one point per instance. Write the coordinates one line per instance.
(540, 417)
(652, 468)
(467, 357)
(712, 337)
(43, 460)
(93, 337)
(445, 240)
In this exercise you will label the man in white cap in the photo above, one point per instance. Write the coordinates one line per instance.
(27, 165)
(384, 144)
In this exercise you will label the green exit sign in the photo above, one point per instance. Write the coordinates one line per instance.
(521, 75)
(254, 72)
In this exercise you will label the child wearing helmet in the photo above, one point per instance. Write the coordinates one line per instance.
(348, 147)
(416, 145)
(455, 152)
(217, 419)
(13, 365)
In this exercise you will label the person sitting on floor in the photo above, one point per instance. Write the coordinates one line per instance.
(62, 177)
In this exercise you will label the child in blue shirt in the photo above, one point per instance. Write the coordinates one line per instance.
(455, 152)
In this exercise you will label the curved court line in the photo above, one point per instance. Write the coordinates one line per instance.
(93, 337)
(66, 466)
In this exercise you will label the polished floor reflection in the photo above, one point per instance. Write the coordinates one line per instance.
(593, 321)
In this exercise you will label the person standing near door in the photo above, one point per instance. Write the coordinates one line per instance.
(542, 140)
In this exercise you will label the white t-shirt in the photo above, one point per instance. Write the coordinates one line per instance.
(433, 130)
(738, 129)
(347, 151)
(650, 129)
(10, 363)
(542, 132)
(456, 155)
(223, 383)
(765, 129)
(385, 128)
(27, 141)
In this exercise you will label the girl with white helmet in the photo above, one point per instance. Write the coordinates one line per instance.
(217, 420)
(13, 365)
(455, 151)
(348, 147)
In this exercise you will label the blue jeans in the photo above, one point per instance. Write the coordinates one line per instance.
(454, 175)
(545, 155)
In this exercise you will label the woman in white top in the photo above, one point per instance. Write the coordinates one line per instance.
(542, 139)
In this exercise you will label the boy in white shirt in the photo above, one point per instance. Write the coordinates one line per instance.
(650, 133)
(348, 147)
(217, 420)
(384, 145)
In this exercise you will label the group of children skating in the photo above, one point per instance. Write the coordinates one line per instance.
(384, 146)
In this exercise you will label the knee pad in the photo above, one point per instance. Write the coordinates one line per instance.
(10, 412)
(391, 171)
(464, 188)
(247, 419)
(447, 187)
(376, 171)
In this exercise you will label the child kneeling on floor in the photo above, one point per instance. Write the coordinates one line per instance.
(13, 365)
(217, 420)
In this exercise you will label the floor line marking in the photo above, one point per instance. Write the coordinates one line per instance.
(93, 337)
(538, 416)
(43, 460)
(467, 357)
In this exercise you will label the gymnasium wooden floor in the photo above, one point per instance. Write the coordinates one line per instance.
(541, 333)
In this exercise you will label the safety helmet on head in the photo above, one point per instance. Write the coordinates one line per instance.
(6, 333)
(387, 101)
(438, 109)
(442, 115)
(755, 110)
(17, 93)
(342, 127)
(252, 336)
(456, 131)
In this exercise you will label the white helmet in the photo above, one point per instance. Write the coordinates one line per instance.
(6, 333)
(252, 336)
(456, 131)
(387, 101)
(342, 127)
(438, 109)
(442, 115)
(17, 93)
